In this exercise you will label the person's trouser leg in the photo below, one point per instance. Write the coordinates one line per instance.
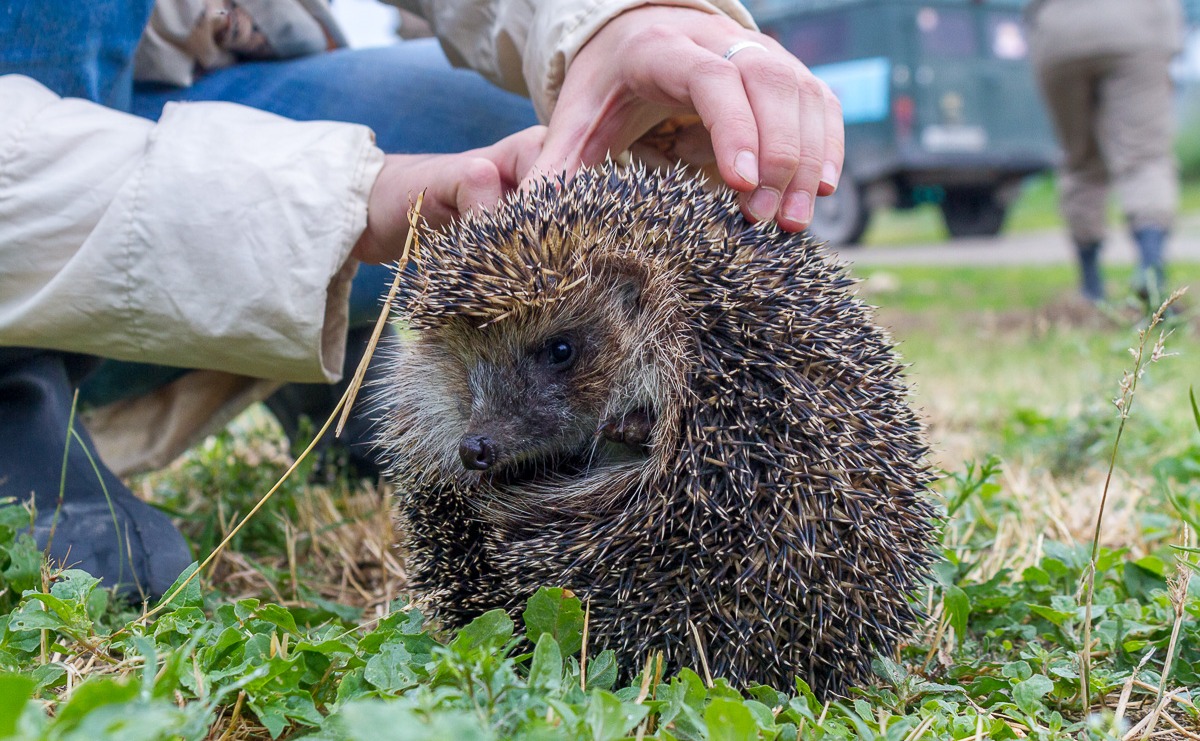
(408, 94)
(1136, 134)
(78, 50)
(86, 517)
(1071, 93)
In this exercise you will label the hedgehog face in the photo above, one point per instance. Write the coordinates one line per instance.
(548, 399)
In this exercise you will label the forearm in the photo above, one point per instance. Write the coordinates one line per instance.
(525, 45)
(217, 238)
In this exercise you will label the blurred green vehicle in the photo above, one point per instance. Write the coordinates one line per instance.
(939, 100)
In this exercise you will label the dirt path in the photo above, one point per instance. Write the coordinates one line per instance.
(1027, 248)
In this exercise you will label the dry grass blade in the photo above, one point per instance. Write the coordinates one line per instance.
(1177, 589)
(700, 652)
(414, 219)
(587, 616)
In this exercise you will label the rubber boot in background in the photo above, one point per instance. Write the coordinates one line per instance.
(97, 524)
(1091, 279)
(1149, 281)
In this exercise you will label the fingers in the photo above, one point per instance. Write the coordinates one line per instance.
(478, 185)
(835, 143)
(800, 136)
(515, 155)
(775, 129)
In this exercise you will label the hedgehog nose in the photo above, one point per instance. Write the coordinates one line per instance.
(477, 452)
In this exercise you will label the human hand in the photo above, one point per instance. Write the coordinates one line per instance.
(772, 128)
(453, 185)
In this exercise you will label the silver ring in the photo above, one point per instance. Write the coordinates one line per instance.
(743, 45)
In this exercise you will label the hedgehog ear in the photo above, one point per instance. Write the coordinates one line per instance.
(628, 284)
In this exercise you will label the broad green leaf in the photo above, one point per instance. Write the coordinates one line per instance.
(131, 722)
(673, 697)
(1057, 617)
(33, 615)
(551, 611)
(190, 596)
(609, 718)
(92, 694)
(15, 691)
(958, 610)
(374, 720)
(277, 616)
(545, 671)
(729, 720)
(489, 631)
(1028, 694)
(602, 670)
(390, 669)
(1019, 670)
(762, 714)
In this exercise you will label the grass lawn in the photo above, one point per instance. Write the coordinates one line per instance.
(1035, 208)
(291, 632)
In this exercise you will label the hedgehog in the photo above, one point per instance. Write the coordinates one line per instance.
(618, 385)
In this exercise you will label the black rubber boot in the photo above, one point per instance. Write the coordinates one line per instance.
(302, 408)
(1091, 280)
(86, 519)
(1149, 282)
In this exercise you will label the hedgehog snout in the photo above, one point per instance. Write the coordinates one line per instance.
(478, 452)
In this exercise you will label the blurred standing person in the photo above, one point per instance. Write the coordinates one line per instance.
(1102, 66)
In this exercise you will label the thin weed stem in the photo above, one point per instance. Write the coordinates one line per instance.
(1124, 404)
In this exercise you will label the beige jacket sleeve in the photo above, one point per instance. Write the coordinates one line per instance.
(527, 45)
(217, 238)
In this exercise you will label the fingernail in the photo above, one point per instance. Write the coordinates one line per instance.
(746, 165)
(829, 174)
(764, 203)
(798, 207)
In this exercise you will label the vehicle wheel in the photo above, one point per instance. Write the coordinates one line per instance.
(973, 212)
(840, 219)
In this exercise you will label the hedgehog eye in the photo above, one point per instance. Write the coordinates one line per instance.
(560, 353)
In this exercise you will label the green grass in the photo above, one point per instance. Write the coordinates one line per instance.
(299, 633)
(1035, 209)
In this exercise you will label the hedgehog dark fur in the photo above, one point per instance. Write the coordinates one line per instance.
(728, 452)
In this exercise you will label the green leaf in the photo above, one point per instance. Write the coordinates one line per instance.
(1057, 617)
(602, 670)
(551, 611)
(545, 671)
(729, 720)
(1018, 670)
(190, 596)
(390, 669)
(761, 713)
(489, 631)
(15, 692)
(92, 694)
(277, 616)
(1028, 694)
(1195, 408)
(958, 610)
(374, 720)
(609, 718)
(32, 615)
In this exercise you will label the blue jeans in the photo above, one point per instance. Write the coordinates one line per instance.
(409, 94)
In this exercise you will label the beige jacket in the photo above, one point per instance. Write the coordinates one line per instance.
(218, 237)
